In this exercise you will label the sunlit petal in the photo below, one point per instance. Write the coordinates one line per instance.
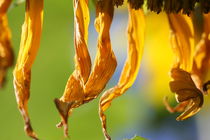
(136, 28)
(30, 42)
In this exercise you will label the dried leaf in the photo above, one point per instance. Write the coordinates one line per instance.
(6, 53)
(30, 41)
(82, 87)
(182, 40)
(186, 93)
(136, 28)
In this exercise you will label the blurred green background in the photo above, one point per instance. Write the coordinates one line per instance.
(138, 112)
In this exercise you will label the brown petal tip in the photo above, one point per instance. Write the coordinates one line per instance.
(2, 77)
(28, 128)
(63, 109)
(29, 131)
(206, 86)
(167, 105)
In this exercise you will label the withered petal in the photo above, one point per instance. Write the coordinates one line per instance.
(82, 85)
(192, 108)
(30, 41)
(182, 40)
(178, 108)
(186, 92)
(201, 58)
(136, 28)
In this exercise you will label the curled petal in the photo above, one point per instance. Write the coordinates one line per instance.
(105, 62)
(30, 41)
(74, 94)
(82, 87)
(187, 94)
(178, 108)
(136, 28)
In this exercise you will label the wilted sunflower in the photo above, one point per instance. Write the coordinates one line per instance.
(192, 59)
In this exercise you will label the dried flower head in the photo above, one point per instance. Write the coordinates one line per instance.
(188, 72)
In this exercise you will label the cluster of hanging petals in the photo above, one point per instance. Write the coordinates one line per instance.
(136, 28)
(83, 86)
(186, 93)
(190, 68)
(30, 41)
(6, 53)
(87, 82)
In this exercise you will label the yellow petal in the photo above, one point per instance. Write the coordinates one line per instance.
(74, 93)
(182, 40)
(105, 62)
(201, 63)
(30, 41)
(136, 28)
(79, 90)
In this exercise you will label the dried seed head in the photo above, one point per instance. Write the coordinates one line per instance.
(188, 6)
(173, 6)
(118, 2)
(205, 5)
(136, 4)
(155, 5)
(169, 6)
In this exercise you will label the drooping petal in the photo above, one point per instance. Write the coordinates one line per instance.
(74, 94)
(105, 62)
(6, 53)
(136, 28)
(201, 64)
(30, 42)
(182, 40)
(79, 91)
